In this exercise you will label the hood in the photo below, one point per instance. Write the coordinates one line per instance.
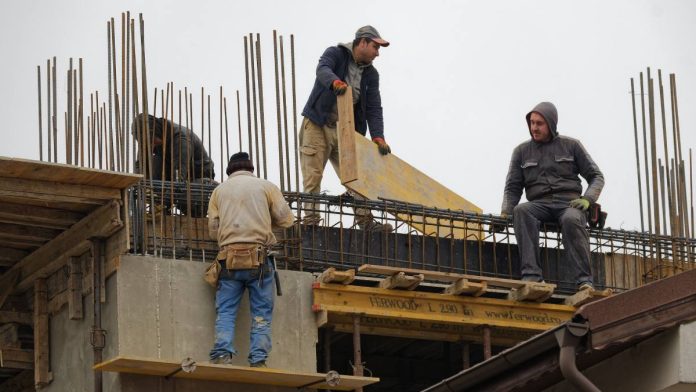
(550, 114)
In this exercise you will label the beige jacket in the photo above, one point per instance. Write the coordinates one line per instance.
(245, 208)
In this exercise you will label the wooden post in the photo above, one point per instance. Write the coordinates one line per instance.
(486, 342)
(42, 376)
(75, 311)
(466, 356)
(357, 350)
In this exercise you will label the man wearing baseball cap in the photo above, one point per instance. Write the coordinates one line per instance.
(346, 65)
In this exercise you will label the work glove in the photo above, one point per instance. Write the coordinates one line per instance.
(339, 87)
(382, 146)
(499, 227)
(580, 203)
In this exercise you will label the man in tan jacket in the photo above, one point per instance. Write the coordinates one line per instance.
(242, 212)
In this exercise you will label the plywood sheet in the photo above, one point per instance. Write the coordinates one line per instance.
(230, 373)
(67, 174)
(372, 175)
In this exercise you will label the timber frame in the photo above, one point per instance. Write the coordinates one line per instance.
(49, 213)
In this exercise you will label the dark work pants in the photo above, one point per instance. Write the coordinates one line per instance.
(576, 240)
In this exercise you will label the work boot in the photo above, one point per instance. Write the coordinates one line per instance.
(224, 359)
(586, 286)
(311, 220)
(260, 364)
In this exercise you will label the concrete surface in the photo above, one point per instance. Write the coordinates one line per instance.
(162, 308)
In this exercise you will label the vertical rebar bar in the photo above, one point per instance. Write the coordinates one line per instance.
(55, 114)
(253, 92)
(227, 130)
(653, 155)
(635, 136)
(68, 128)
(664, 143)
(210, 138)
(239, 122)
(278, 120)
(116, 108)
(285, 114)
(645, 155)
(248, 99)
(48, 108)
(262, 116)
(124, 106)
(38, 78)
(294, 114)
(222, 154)
(81, 115)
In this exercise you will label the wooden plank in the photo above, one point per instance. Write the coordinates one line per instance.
(38, 216)
(16, 358)
(8, 316)
(101, 223)
(42, 375)
(75, 311)
(231, 373)
(58, 172)
(464, 286)
(441, 276)
(532, 291)
(26, 233)
(348, 161)
(438, 308)
(583, 297)
(401, 281)
(52, 191)
(73, 206)
(330, 275)
(9, 256)
(372, 175)
(9, 336)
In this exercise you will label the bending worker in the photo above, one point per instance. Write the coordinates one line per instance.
(347, 65)
(547, 168)
(242, 212)
(182, 159)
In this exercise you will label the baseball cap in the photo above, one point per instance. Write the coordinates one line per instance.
(371, 33)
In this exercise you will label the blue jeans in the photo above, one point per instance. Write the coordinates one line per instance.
(230, 289)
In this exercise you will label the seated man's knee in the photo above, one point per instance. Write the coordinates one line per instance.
(522, 209)
(572, 217)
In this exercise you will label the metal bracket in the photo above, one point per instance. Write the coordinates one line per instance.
(97, 338)
(188, 365)
(332, 378)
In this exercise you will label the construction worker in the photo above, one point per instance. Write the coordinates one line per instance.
(242, 212)
(183, 159)
(347, 65)
(547, 168)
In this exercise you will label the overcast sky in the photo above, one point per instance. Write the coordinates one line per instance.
(456, 81)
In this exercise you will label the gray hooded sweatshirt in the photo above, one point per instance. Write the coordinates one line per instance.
(550, 168)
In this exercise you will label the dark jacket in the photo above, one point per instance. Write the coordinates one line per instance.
(550, 168)
(333, 65)
(190, 158)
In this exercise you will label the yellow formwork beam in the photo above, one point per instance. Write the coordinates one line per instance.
(436, 312)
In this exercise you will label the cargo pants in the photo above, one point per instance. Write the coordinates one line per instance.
(319, 145)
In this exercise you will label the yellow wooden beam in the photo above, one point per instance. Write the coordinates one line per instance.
(365, 171)
(438, 308)
(231, 373)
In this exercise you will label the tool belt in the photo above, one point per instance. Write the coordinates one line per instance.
(242, 256)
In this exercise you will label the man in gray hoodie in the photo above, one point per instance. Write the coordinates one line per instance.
(547, 168)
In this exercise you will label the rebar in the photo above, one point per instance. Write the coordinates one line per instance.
(635, 136)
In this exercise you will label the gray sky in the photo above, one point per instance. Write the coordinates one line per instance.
(456, 81)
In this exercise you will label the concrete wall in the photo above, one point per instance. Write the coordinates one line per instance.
(665, 362)
(159, 308)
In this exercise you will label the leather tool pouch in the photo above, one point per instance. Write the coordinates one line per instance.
(212, 273)
(242, 256)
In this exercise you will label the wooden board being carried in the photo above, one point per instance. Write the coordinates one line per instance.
(230, 373)
(372, 175)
